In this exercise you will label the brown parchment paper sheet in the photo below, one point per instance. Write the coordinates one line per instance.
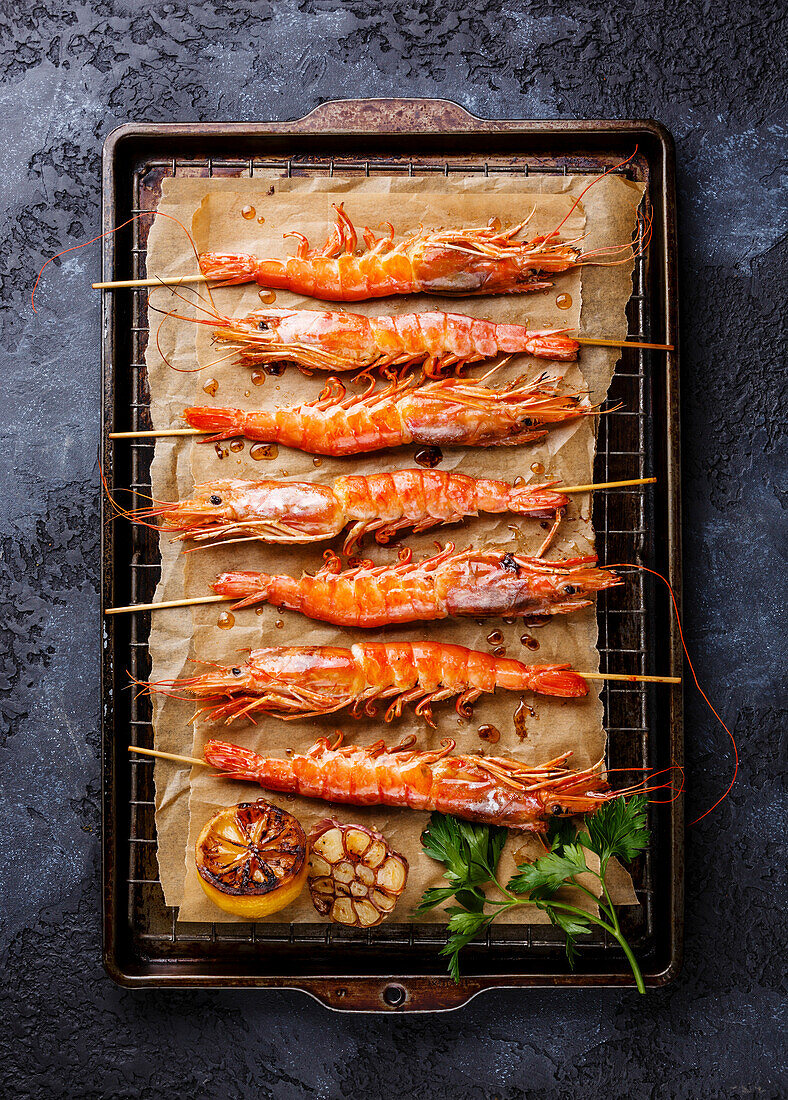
(566, 454)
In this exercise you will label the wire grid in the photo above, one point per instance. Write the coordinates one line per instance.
(621, 521)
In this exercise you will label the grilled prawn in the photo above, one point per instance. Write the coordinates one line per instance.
(445, 413)
(474, 582)
(335, 341)
(307, 681)
(379, 504)
(463, 262)
(488, 789)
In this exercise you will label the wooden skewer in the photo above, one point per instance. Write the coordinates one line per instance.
(604, 485)
(220, 599)
(598, 342)
(180, 280)
(630, 679)
(586, 675)
(169, 280)
(166, 603)
(159, 435)
(170, 756)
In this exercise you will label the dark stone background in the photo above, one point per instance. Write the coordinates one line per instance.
(69, 73)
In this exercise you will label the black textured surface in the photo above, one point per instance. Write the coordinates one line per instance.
(713, 75)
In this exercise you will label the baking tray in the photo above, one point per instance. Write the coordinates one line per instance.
(396, 967)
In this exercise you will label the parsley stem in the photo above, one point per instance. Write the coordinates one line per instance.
(632, 962)
(614, 930)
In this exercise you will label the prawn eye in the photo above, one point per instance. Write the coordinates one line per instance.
(235, 671)
(263, 326)
(569, 590)
(216, 499)
(509, 562)
(556, 811)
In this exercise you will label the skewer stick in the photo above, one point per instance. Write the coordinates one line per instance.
(166, 603)
(159, 435)
(170, 756)
(628, 678)
(181, 280)
(604, 485)
(169, 280)
(598, 342)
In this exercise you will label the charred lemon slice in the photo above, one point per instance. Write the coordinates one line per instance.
(355, 878)
(252, 859)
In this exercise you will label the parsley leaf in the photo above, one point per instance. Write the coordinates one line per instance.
(618, 828)
(549, 872)
(470, 855)
(470, 852)
(572, 925)
(561, 831)
(463, 927)
(433, 896)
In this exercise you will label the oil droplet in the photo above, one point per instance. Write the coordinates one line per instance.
(495, 637)
(247, 393)
(221, 452)
(545, 525)
(226, 620)
(211, 386)
(536, 620)
(499, 651)
(523, 711)
(518, 481)
(248, 212)
(279, 624)
(529, 642)
(275, 368)
(261, 220)
(509, 621)
(259, 611)
(537, 467)
(237, 445)
(429, 457)
(263, 450)
(267, 297)
(258, 377)
(317, 461)
(490, 733)
(564, 301)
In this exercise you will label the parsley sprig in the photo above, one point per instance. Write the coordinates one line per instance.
(470, 855)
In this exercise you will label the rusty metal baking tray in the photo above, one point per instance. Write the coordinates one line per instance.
(396, 967)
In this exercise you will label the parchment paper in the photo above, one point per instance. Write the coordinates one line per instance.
(567, 454)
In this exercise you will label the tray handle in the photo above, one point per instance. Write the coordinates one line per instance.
(392, 994)
(387, 116)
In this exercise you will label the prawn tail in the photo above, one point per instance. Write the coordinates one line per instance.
(560, 681)
(541, 501)
(226, 423)
(248, 588)
(553, 345)
(228, 269)
(235, 762)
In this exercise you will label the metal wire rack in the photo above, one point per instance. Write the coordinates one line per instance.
(624, 531)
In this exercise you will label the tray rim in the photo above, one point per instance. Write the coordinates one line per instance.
(417, 118)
